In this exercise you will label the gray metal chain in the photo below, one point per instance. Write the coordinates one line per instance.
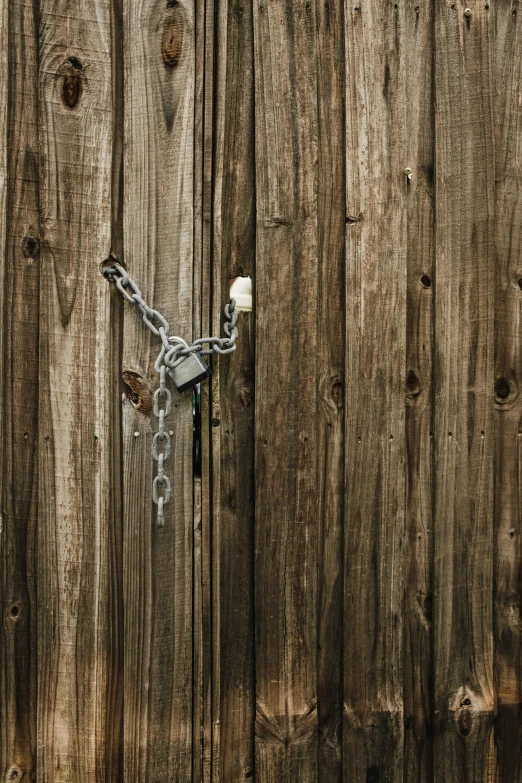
(161, 446)
(173, 351)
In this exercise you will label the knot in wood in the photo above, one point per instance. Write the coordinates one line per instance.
(172, 36)
(138, 392)
(338, 393)
(413, 385)
(246, 395)
(503, 389)
(30, 247)
(72, 72)
(506, 392)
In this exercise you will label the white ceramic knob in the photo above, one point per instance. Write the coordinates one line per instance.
(241, 291)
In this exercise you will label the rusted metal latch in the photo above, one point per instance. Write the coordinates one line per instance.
(181, 361)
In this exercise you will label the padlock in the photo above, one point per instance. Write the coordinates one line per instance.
(190, 372)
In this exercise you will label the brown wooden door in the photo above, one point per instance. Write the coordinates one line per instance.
(335, 594)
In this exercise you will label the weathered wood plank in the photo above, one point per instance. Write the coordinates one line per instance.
(115, 682)
(211, 465)
(233, 393)
(206, 623)
(285, 43)
(418, 573)
(5, 706)
(75, 603)
(200, 728)
(209, 623)
(331, 357)
(158, 233)
(200, 709)
(377, 98)
(508, 397)
(117, 131)
(19, 275)
(463, 400)
(115, 662)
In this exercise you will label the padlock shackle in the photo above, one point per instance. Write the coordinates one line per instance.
(175, 339)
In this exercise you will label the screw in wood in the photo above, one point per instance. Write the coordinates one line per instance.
(467, 12)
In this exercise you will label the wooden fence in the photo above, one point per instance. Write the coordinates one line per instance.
(336, 593)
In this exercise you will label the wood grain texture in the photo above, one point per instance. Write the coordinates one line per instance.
(418, 573)
(508, 397)
(117, 73)
(115, 683)
(201, 728)
(19, 275)
(115, 662)
(76, 610)
(377, 122)
(359, 458)
(464, 697)
(5, 722)
(206, 623)
(158, 234)
(233, 393)
(331, 358)
(285, 43)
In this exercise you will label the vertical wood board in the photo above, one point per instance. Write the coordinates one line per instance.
(464, 698)
(74, 601)
(158, 236)
(19, 230)
(331, 293)
(507, 392)
(378, 117)
(233, 482)
(285, 45)
(418, 567)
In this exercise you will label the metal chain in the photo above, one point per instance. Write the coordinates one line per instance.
(173, 351)
(161, 440)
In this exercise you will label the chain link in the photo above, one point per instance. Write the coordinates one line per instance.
(174, 350)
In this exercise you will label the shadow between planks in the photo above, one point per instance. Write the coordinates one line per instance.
(335, 595)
